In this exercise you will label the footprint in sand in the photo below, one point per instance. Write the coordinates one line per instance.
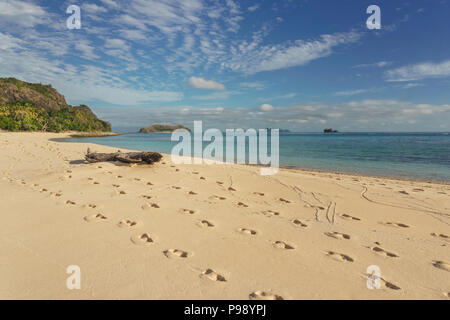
(390, 285)
(259, 194)
(440, 235)
(43, 190)
(149, 183)
(299, 223)
(339, 256)
(282, 245)
(403, 192)
(386, 283)
(192, 193)
(194, 172)
(70, 202)
(175, 253)
(142, 239)
(202, 178)
(395, 224)
(93, 206)
(270, 213)
(150, 205)
(246, 231)
(263, 295)
(441, 265)
(95, 217)
(146, 197)
(122, 192)
(212, 275)
(125, 223)
(383, 252)
(337, 235)
(231, 189)
(176, 188)
(205, 224)
(219, 182)
(116, 186)
(284, 200)
(349, 217)
(241, 204)
(187, 211)
(218, 198)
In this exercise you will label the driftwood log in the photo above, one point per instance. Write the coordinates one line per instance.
(130, 157)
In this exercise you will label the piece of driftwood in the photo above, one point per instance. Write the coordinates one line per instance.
(130, 157)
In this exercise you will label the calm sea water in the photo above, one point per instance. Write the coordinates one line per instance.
(410, 155)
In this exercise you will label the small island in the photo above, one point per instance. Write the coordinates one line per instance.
(163, 128)
(329, 130)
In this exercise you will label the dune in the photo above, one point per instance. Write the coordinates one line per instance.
(221, 231)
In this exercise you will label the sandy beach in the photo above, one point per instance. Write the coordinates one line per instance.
(211, 231)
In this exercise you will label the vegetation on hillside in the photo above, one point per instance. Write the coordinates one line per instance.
(38, 87)
(28, 106)
(162, 128)
(23, 116)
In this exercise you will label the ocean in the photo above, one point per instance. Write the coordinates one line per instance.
(423, 156)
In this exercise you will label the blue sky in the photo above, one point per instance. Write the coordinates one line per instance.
(301, 65)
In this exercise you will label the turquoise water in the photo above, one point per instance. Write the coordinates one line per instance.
(409, 155)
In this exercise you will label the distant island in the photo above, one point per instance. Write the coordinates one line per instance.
(28, 106)
(280, 130)
(162, 128)
(329, 130)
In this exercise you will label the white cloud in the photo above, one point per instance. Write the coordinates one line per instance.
(92, 8)
(253, 85)
(254, 59)
(87, 51)
(355, 92)
(266, 107)
(110, 3)
(115, 44)
(254, 7)
(201, 83)
(81, 83)
(379, 64)
(410, 85)
(419, 71)
(365, 115)
(22, 13)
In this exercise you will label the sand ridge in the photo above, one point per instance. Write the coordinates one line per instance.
(211, 231)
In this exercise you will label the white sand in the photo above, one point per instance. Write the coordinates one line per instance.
(192, 237)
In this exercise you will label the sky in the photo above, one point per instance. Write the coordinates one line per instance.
(301, 65)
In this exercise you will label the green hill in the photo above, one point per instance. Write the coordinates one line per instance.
(162, 128)
(35, 107)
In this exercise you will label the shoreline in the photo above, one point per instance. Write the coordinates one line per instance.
(305, 170)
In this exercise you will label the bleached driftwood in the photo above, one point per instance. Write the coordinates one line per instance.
(130, 157)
